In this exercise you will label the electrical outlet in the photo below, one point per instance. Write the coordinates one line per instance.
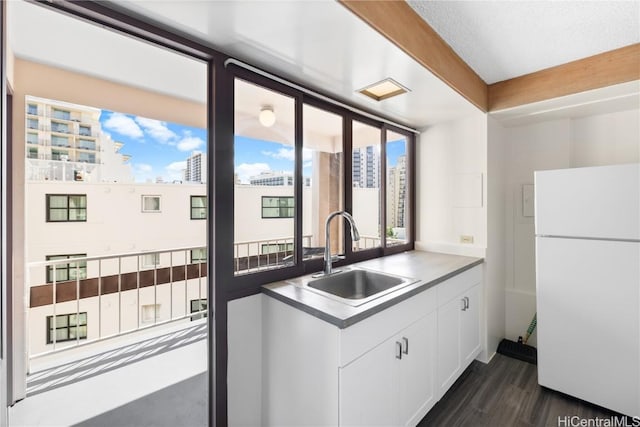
(466, 239)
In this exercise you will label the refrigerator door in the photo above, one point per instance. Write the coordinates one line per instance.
(588, 294)
(595, 202)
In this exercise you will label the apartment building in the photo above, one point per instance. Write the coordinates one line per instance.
(196, 170)
(366, 167)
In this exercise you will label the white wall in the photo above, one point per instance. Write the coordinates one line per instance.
(595, 140)
(451, 186)
(244, 375)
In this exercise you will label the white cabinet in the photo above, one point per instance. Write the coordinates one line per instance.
(386, 370)
(458, 336)
(394, 383)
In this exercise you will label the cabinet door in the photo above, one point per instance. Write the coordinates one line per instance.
(417, 371)
(369, 388)
(470, 327)
(449, 322)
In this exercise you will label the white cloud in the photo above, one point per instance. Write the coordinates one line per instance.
(142, 172)
(176, 166)
(156, 129)
(247, 170)
(288, 154)
(189, 143)
(175, 171)
(143, 167)
(124, 125)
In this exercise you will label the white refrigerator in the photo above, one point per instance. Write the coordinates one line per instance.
(587, 224)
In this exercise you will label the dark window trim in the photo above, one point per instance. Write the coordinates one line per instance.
(49, 269)
(280, 208)
(191, 207)
(203, 304)
(51, 322)
(48, 212)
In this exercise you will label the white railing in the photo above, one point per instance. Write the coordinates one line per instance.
(256, 255)
(370, 242)
(111, 292)
(46, 169)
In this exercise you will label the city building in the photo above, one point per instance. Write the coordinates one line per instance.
(366, 167)
(65, 142)
(196, 169)
(397, 193)
(281, 178)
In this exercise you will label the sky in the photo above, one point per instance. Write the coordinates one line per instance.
(157, 148)
(160, 149)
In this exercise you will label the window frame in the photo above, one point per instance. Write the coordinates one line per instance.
(142, 199)
(65, 267)
(204, 305)
(191, 207)
(279, 207)
(50, 321)
(67, 208)
(198, 260)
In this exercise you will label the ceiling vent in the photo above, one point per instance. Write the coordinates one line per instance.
(383, 89)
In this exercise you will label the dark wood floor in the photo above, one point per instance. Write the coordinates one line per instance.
(505, 392)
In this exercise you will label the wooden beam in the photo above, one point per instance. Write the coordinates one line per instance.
(399, 23)
(605, 69)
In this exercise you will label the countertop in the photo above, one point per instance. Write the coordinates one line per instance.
(429, 268)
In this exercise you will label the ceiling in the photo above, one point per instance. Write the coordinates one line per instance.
(501, 40)
(318, 43)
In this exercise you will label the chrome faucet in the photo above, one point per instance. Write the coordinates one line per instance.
(355, 236)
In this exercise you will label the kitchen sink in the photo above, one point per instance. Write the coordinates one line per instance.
(356, 286)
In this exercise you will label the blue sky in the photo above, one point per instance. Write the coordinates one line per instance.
(159, 149)
(156, 148)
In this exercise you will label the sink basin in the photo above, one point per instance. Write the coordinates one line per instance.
(357, 286)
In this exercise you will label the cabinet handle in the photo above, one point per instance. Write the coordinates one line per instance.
(466, 300)
(398, 350)
(464, 304)
(406, 345)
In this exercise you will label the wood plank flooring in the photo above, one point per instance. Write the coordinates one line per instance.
(506, 393)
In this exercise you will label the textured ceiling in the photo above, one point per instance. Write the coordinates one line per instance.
(505, 39)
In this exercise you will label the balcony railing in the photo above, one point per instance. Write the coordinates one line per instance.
(46, 168)
(256, 255)
(116, 295)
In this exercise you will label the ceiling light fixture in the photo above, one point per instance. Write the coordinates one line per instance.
(267, 117)
(383, 89)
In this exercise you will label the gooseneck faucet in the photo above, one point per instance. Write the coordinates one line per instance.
(355, 236)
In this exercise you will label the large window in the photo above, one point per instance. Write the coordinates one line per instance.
(67, 271)
(265, 168)
(277, 207)
(67, 327)
(198, 306)
(365, 177)
(397, 189)
(198, 207)
(322, 157)
(59, 127)
(198, 255)
(66, 207)
(60, 141)
(32, 123)
(61, 114)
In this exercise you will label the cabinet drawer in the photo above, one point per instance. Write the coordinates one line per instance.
(363, 336)
(451, 288)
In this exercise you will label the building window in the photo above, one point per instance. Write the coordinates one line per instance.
(59, 127)
(66, 207)
(68, 271)
(32, 153)
(277, 207)
(32, 138)
(60, 155)
(32, 109)
(150, 260)
(32, 123)
(198, 255)
(149, 313)
(61, 114)
(67, 327)
(84, 130)
(86, 157)
(198, 305)
(59, 141)
(86, 144)
(150, 203)
(274, 248)
(198, 207)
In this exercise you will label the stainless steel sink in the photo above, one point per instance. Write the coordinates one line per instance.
(356, 286)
